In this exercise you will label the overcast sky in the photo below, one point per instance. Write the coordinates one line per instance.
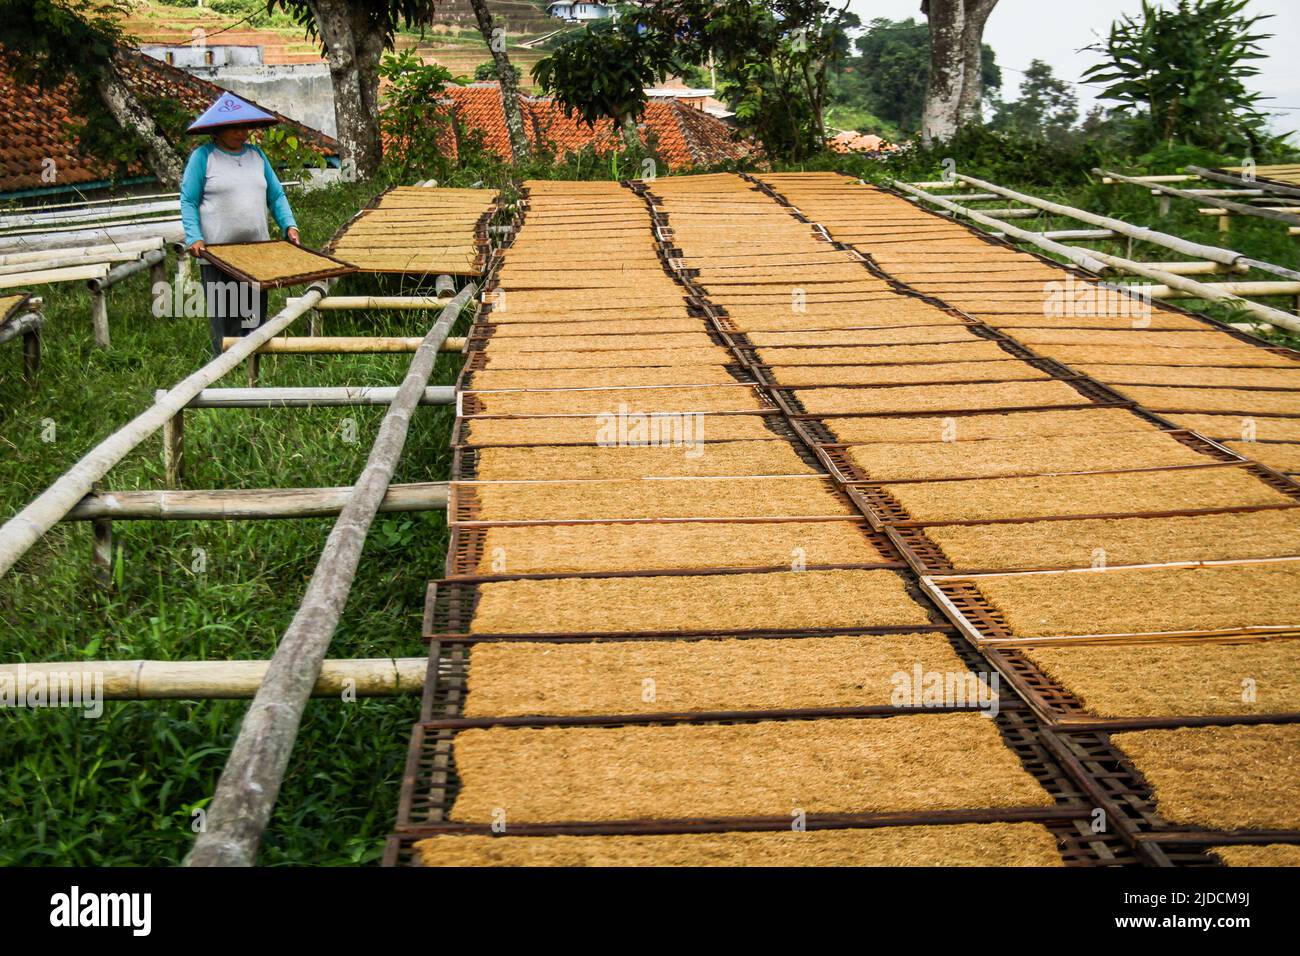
(1057, 30)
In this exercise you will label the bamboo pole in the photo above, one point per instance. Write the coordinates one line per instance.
(26, 528)
(322, 396)
(249, 784)
(1084, 258)
(1101, 260)
(1008, 213)
(115, 201)
(1292, 217)
(127, 269)
(99, 317)
(107, 222)
(341, 302)
(75, 217)
(101, 552)
(28, 326)
(20, 325)
(1194, 250)
(1164, 178)
(223, 680)
(1234, 288)
(94, 270)
(1156, 191)
(345, 344)
(239, 504)
(75, 238)
(63, 262)
(1197, 268)
(1075, 234)
(173, 438)
(1276, 189)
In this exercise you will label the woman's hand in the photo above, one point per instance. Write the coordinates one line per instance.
(292, 234)
(197, 248)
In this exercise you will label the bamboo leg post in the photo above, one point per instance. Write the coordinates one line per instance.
(182, 280)
(1164, 206)
(174, 449)
(254, 369)
(101, 553)
(99, 317)
(31, 356)
(1223, 223)
(157, 273)
(313, 322)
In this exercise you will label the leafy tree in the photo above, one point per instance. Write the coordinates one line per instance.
(772, 58)
(82, 40)
(408, 124)
(894, 63)
(601, 73)
(1047, 107)
(353, 35)
(1182, 74)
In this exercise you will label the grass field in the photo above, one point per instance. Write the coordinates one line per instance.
(121, 789)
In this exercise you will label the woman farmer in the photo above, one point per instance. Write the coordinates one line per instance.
(225, 192)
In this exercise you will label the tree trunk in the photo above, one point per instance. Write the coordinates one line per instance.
(972, 42)
(814, 91)
(130, 115)
(952, 95)
(353, 44)
(519, 147)
(631, 135)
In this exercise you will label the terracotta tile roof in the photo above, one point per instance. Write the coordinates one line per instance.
(685, 137)
(36, 124)
(851, 142)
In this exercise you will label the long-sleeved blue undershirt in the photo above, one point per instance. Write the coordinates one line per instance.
(225, 195)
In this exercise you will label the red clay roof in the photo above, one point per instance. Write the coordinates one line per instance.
(36, 125)
(685, 137)
(851, 142)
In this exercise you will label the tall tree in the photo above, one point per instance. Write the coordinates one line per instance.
(1181, 73)
(601, 73)
(772, 57)
(353, 35)
(52, 41)
(1047, 107)
(953, 90)
(894, 62)
(506, 76)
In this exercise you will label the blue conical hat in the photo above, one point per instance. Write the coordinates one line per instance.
(230, 110)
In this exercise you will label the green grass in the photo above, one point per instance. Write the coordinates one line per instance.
(121, 789)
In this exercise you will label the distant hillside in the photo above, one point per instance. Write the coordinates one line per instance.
(452, 40)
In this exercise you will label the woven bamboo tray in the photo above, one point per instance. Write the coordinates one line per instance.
(274, 263)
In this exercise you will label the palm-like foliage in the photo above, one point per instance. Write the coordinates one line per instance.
(1182, 72)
